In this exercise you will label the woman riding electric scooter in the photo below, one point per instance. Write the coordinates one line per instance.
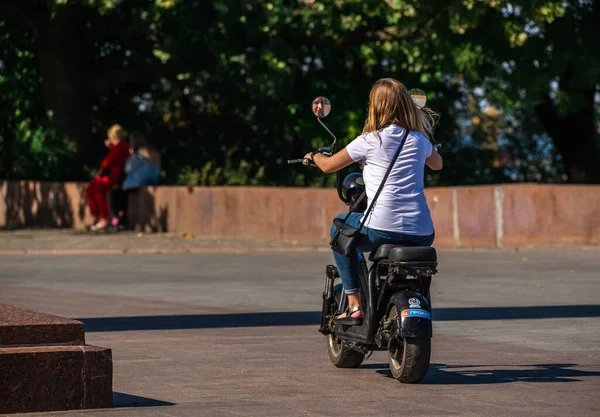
(400, 215)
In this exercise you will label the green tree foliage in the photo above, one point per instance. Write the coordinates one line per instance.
(28, 144)
(223, 88)
(537, 61)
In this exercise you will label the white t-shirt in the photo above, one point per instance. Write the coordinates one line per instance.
(401, 207)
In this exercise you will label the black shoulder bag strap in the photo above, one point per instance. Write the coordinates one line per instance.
(345, 238)
(385, 177)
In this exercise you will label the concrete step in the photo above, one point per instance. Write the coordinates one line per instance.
(45, 364)
(19, 327)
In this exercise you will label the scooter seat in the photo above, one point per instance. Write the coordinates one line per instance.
(395, 253)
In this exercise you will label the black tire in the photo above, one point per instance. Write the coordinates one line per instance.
(409, 359)
(341, 355)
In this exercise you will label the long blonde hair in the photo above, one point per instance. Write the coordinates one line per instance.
(391, 103)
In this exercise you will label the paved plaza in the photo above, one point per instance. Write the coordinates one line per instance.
(516, 333)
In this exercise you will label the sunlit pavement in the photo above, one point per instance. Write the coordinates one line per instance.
(515, 333)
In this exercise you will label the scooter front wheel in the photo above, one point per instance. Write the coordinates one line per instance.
(341, 355)
(409, 357)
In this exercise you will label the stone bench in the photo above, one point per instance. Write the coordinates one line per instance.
(45, 364)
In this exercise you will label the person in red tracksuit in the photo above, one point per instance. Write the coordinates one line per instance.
(111, 171)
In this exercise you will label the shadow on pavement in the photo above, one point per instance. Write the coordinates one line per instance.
(127, 400)
(513, 313)
(306, 318)
(200, 321)
(440, 374)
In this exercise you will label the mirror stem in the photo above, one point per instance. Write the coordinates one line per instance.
(331, 133)
(338, 175)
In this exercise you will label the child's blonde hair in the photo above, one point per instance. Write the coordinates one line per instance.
(117, 130)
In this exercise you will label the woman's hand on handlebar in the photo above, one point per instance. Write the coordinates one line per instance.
(308, 159)
(324, 160)
(309, 156)
(333, 163)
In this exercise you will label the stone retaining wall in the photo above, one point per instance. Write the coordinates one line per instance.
(483, 216)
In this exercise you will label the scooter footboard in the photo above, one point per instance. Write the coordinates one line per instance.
(415, 314)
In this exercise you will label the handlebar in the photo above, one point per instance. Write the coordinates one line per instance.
(302, 161)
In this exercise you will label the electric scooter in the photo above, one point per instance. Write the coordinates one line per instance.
(394, 291)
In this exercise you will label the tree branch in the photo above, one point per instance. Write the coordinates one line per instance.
(366, 35)
(392, 5)
(392, 32)
(26, 12)
(140, 73)
(145, 73)
(548, 117)
(134, 4)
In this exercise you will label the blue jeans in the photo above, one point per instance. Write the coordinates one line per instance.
(369, 239)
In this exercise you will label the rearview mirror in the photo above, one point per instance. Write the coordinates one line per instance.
(321, 106)
(418, 97)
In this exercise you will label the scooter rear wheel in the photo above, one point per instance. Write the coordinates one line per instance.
(341, 355)
(409, 357)
(339, 352)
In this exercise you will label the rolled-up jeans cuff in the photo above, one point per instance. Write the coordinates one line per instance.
(351, 291)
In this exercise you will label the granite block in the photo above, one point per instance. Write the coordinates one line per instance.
(20, 327)
(53, 378)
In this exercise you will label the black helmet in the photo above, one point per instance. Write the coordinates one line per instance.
(352, 188)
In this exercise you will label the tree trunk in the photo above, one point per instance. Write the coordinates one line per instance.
(64, 78)
(6, 141)
(574, 136)
(6, 152)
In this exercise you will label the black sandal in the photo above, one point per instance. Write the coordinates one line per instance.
(348, 320)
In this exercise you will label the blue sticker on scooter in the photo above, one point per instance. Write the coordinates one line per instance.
(416, 313)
